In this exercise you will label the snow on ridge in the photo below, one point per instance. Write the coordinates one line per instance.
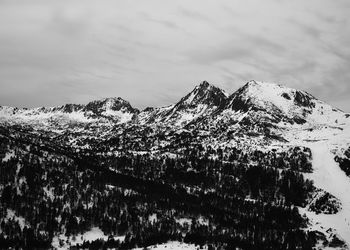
(189, 115)
(123, 117)
(30, 116)
(265, 92)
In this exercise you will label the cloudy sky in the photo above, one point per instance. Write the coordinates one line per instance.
(153, 52)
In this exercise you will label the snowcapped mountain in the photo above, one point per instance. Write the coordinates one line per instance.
(298, 143)
(282, 104)
(255, 103)
(268, 111)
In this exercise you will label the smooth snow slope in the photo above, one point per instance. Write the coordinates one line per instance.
(328, 176)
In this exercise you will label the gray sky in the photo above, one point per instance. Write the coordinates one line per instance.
(153, 52)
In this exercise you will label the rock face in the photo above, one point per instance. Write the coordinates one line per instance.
(202, 101)
(109, 106)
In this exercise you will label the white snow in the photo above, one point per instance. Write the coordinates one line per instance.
(203, 221)
(122, 117)
(264, 92)
(153, 218)
(8, 156)
(173, 245)
(38, 116)
(49, 193)
(11, 215)
(191, 97)
(184, 221)
(184, 117)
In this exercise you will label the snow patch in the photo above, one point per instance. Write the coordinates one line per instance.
(8, 156)
(95, 233)
(173, 245)
(11, 215)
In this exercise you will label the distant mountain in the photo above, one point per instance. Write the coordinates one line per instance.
(110, 107)
(107, 110)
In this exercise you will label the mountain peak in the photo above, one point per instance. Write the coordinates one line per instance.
(263, 86)
(112, 100)
(204, 84)
(276, 94)
(204, 93)
(275, 100)
(109, 105)
(204, 99)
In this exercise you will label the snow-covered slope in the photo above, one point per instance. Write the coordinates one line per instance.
(325, 143)
(328, 176)
(283, 104)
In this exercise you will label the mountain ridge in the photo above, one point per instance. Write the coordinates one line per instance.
(280, 102)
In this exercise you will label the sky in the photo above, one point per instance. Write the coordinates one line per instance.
(154, 52)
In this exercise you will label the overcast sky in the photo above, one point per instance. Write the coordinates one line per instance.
(151, 52)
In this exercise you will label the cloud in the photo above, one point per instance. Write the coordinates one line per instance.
(166, 23)
(241, 46)
(152, 53)
(192, 14)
